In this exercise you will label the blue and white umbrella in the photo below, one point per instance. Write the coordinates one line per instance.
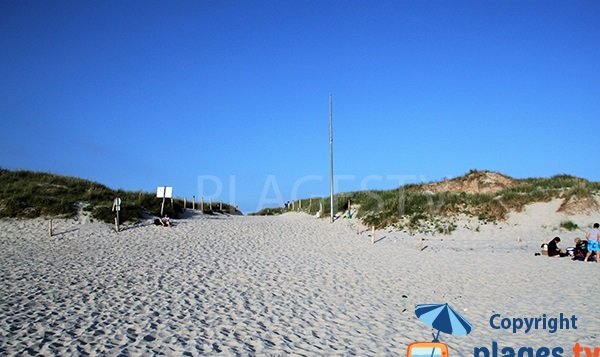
(442, 318)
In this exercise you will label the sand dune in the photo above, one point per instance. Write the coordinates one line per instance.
(286, 285)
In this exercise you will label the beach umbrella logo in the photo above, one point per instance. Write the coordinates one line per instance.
(444, 319)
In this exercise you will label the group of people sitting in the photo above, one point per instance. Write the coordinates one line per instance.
(584, 250)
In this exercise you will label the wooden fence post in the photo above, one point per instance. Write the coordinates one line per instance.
(373, 235)
(349, 210)
(50, 228)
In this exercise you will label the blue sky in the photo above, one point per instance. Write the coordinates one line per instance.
(230, 99)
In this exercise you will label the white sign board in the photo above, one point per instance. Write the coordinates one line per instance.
(117, 204)
(164, 191)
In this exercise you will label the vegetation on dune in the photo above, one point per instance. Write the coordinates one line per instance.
(415, 208)
(269, 212)
(412, 207)
(28, 194)
(569, 225)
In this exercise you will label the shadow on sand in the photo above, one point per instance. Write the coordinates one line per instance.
(380, 239)
(56, 234)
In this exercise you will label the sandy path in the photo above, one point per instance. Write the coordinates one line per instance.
(288, 285)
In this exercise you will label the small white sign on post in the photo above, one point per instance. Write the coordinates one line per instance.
(164, 192)
(117, 204)
(116, 208)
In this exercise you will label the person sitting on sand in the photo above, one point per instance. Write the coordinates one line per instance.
(580, 251)
(166, 221)
(554, 250)
(593, 238)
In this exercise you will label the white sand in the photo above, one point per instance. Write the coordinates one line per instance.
(287, 285)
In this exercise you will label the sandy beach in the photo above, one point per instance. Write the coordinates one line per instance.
(452, 140)
(283, 285)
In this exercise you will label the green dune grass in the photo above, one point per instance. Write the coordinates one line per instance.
(28, 194)
(412, 206)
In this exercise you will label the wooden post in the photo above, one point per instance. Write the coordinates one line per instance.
(320, 209)
(300, 204)
(194, 203)
(162, 206)
(202, 204)
(221, 206)
(50, 228)
(349, 210)
(184, 203)
(421, 243)
(116, 207)
(373, 235)
(210, 204)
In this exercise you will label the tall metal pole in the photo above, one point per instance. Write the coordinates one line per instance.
(331, 156)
